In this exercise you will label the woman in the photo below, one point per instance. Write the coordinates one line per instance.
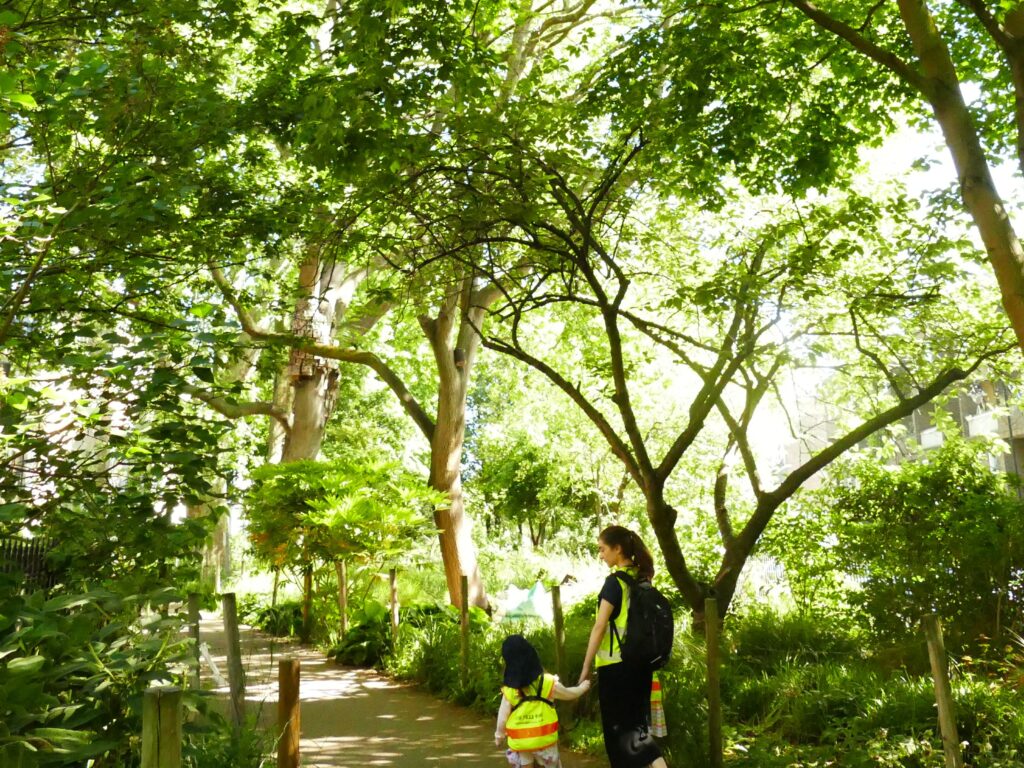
(624, 691)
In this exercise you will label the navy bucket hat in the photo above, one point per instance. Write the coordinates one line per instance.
(522, 663)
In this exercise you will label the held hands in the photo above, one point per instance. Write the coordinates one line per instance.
(584, 686)
(584, 675)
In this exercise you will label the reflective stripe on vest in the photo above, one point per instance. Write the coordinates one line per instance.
(533, 724)
(609, 651)
(655, 689)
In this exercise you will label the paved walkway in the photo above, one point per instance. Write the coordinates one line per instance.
(356, 717)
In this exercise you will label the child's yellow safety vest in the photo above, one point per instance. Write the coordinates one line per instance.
(533, 723)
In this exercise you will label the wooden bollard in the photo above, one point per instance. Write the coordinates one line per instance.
(161, 728)
(556, 613)
(393, 578)
(711, 630)
(943, 692)
(288, 719)
(193, 628)
(236, 674)
(341, 567)
(464, 630)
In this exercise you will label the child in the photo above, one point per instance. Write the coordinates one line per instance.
(527, 714)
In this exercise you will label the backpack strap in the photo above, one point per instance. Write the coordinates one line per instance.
(613, 636)
(533, 697)
(631, 580)
(626, 577)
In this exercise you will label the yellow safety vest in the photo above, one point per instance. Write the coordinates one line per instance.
(533, 724)
(610, 652)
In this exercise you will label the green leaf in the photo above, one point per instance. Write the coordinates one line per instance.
(203, 374)
(17, 399)
(23, 99)
(202, 310)
(65, 602)
(26, 665)
(62, 736)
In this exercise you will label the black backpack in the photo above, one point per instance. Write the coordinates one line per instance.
(649, 626)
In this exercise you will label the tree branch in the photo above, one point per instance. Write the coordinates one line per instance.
(771, 500)
(739, 436)
(721, 510)
(331, 352)
(619, 448)
(234, 410)
(13, 303)
(887, 59)
(990, 23)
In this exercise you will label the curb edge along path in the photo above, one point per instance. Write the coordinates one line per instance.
(353, 717)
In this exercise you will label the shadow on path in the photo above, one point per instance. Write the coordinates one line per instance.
(355, 717)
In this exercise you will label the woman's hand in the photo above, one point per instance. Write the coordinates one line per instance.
(584, 675)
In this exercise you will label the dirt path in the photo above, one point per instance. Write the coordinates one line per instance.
(356, 717)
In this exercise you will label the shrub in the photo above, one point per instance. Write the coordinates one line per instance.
(368, 640)
(73, 671)
(763, 639)
(283, 619)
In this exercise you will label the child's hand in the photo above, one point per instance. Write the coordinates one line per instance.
(498, 738)
(585, 686)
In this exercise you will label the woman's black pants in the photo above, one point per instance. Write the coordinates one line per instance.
(624, 692)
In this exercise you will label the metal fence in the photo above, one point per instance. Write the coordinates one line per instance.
(27, 557)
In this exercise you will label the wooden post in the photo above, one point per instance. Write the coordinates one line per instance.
(556, 613)
(193, 627)
(714, 687)
(288, 715)
(342, 569)
(464, 629)
(943, 693)
(393, 576)
(236, 674)
(161, 728)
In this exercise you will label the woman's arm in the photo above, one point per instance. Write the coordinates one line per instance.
(568, 694)
(604, 613)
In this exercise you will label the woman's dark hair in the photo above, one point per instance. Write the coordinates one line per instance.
(631, 546)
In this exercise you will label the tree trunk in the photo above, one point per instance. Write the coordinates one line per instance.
(315, 386)
(454, 365)
(341, 569)
(276, 434)
(307, 602)
(314, 379)
(215, 551)
(977, 188)
(663, 520)
(458, 553)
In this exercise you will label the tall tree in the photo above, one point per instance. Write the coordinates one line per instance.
(857, 285)
(361, 115)
(872, 61)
